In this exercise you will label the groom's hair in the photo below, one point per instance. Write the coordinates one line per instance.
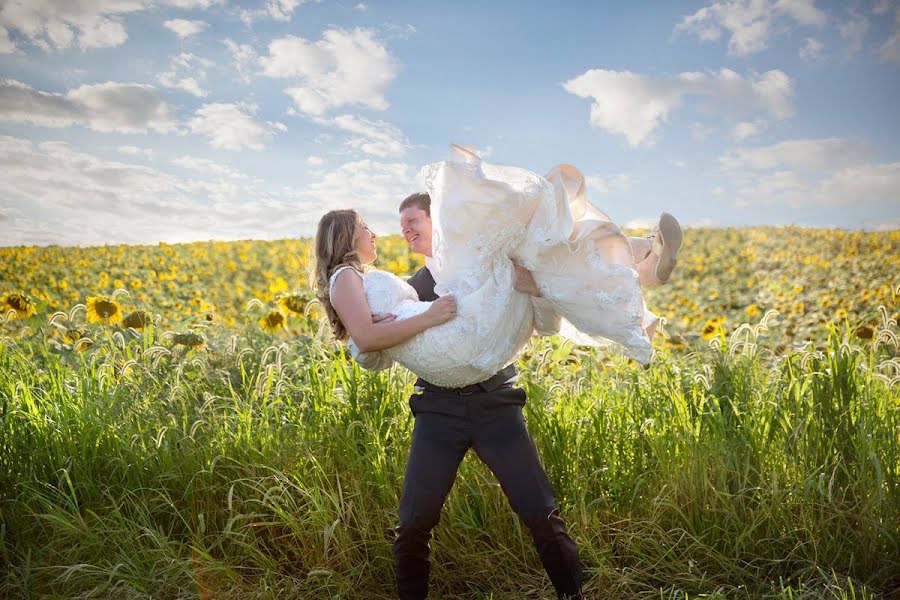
(420, 200)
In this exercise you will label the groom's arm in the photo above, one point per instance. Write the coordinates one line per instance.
(546, 319)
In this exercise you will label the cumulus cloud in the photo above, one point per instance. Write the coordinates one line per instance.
(88, 24)
(185, 72)
(243, 57)
(373, 188)
(233, 126)
(604, 184)
(889, 50)
(54, 193)
(315, 161)
(278, 10)
(853, 30)
(83, 23)
(811, 172)
(136, 151)
(747, 129)
(206, 165)
(377, 138)
(750, 23)
(107, 107)
(634, 105)
(185, 28)
(812, 49)
(344, 67)
(805, 154)
(191, 4)
(6, 44)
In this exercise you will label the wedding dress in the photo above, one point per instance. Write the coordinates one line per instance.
(483, 216)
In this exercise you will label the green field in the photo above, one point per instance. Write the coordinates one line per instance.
(204, 456)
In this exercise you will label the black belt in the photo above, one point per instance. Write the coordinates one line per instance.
(503, 378)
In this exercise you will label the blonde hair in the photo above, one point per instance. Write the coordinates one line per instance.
(334, 248)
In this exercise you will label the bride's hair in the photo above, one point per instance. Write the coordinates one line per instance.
(334, 248)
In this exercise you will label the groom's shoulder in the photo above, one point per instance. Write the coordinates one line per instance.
(423, 283)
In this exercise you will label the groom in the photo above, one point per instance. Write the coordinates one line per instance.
(486, 417)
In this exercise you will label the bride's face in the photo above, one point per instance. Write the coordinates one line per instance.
(364, 243)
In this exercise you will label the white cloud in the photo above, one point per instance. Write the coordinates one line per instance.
(228, 126)
(700, 132)
(812, 49)
(107, 107)
(189, 4)
(377, 138)
(813, 172)
(55, 193)
(185, 28)
(634, 105)
(853, 30)
(805, 154)
(6, 44)
(373, 188)
(278, 10)
(314, 161)
(361, 7)
(604, 184)
(889, 50)
(83, 23)
(851, 186)
(750, 23)
(244, 58)
(205, 165)
(136, 151)
(87, 24)
(746, 129)
(641, 223)
(184, 72)
(344, 67)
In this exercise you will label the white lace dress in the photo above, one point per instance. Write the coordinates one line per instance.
(484, 215)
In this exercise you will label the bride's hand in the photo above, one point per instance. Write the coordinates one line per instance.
(524, 282)
(441, 310)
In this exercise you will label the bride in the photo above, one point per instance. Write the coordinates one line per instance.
(484, 218)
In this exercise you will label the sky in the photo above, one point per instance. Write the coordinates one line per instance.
(141, 121)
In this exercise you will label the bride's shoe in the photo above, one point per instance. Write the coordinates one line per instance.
(665, 241)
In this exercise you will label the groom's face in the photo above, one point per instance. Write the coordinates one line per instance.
(416, 226)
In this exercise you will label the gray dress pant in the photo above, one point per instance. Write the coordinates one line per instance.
(447, 424)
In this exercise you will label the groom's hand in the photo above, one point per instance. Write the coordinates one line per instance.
(383, 317)
(525, 282)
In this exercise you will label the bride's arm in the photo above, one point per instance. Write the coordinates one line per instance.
(349, 302)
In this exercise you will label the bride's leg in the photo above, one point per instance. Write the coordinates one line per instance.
(640, 248)
(645, 261)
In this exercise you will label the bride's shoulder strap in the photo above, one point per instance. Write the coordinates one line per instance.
(335, 274)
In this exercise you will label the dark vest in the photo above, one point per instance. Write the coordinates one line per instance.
(423, 282)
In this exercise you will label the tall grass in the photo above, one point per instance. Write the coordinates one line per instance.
(253, 467)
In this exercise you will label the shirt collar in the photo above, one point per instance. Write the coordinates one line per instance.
(431, 265)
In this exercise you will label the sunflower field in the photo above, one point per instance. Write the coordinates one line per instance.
(176, 421)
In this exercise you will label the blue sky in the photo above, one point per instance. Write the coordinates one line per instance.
(138, 121)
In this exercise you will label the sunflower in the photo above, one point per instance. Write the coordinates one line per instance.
(294, 303)
(103, 310)
(273, 321)
(713, 328)
(752, 310)
(19, 304)
(137, 320)
(190, 339)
